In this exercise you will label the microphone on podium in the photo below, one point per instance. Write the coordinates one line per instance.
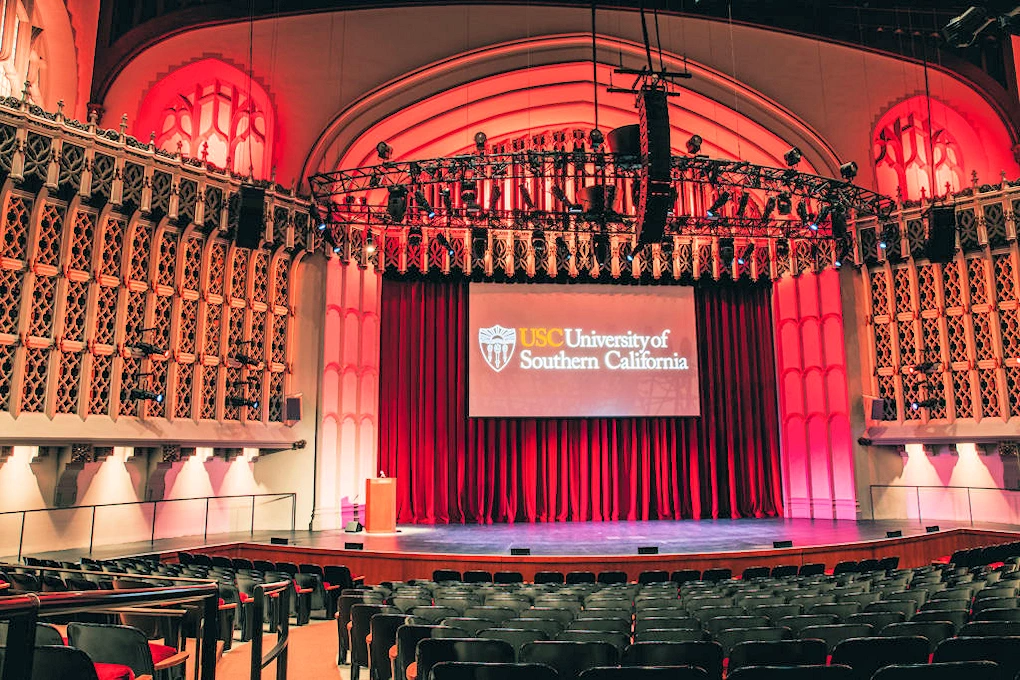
(382, 475)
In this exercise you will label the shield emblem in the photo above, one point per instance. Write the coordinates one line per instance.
(497, 344)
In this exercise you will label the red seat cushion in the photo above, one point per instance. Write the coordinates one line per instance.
(113, 671)
(161, 652)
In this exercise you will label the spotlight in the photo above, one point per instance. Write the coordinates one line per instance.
(627, 251)
(770, 207)
(782, 248)
(561, 196)
(721, 200)
(535, 162)
(414, 236)
(563, 251)
(148, 349)
(479, 243)
(480, 140)
(243, 358)
(726, 250)
(238, 402)
(745, 198)
(848, 171)
(842, 252)
(494, 196)
(444, 195)
(596, 138)
(469, 195)
(694, 144)
(745, 256)
(396, 203)
(930, 403)
(793, 156)
(526, 198)
(139, 394)
(369, 243)
(889, 235)
(839, 222)
(538, 243)
(963, 30)
(384, 150)
(600, 247)
(823, 215)
(322, 226)
(445, 242)
(802, 212)
(784, 203)
(423, 204)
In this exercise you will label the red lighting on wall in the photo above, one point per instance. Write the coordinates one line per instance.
(209, 109)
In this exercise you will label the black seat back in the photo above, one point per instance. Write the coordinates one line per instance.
(1004, 651)
(954, 670)
(433, 651)
(106, 643)
(570, 659)
(867, 654)
(705, 655)
(460, 670)
(778, 653)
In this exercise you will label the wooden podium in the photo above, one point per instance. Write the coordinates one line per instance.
(381, 505)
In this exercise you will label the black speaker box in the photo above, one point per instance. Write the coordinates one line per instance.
(292, 409)
(354, 546)
(655, 195)
(251, 216)
(782, 544)
(520, 551)
(276, 540)
(894, 534)
(648, 550)
(878, 409)
(941, 243)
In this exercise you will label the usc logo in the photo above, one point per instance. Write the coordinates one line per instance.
(541, 337)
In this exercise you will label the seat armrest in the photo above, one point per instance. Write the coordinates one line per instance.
(412, 671)
(228, 605)
(330, 589)
(393, 652)
(305, 591)
(358, 580)
(170, 662)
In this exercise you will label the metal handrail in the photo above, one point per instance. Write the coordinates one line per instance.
(155, 504)
(917, 490)
(279, 623)
(22, 612)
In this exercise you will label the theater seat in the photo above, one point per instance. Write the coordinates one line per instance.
(123, 645)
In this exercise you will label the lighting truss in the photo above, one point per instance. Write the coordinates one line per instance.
(545, 190)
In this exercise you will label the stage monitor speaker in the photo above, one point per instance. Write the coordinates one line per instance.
(292, 409)
(648, 550)
(941, 243)
(520, 552)
(782, 544)
(277, 540)
(353, 527)
(354, 546)
(894, 534)
(932, 529)
(251, 215)
(656, 196)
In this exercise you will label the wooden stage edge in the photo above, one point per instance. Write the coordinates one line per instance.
(913, 551)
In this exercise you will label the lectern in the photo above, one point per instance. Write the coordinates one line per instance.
(381, 505)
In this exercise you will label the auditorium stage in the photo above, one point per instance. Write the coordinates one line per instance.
(414, 551)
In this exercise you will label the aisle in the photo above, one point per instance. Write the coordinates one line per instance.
(312, 656)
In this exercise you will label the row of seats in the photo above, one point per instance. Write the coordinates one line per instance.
(658, 576)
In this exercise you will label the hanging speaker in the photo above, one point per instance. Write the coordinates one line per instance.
(251, 213)
(292, 410)
(941, 243)
(655, 196)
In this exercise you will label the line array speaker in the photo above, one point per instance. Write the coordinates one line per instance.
(655, 191)
(941, 243)
(251, 213)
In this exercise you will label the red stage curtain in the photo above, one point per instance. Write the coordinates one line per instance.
(453, 469)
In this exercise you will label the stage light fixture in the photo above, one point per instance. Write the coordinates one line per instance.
(535, 162)
(782, 248)
(839, 226)
(930, 403)
(627, 251)
(745, 256)
(694, 145)
(848, 171)
(480, 140)
(384, 150)
(414, 236)
(479, 242)
(770, 207)
(494, 197)
(141, 394)
(396, 203)
(726, 250)
(600, 248)
(717, 205)
(538, 243)
(823, 215)
(469, 195)
(563, 249)
(962, 31)
(745, 198)
(322, 226)
(148, 349)
(561, 196)
(896, 533)
(242, 358)
(369, 243)
(842, 252)
(889, 235)
(784, 203)
(423, 203)
(238, 402)
(444, 195)
(596, 138)
(802, 212)
(932, 529)
(445, 243)
(526, 197)
(793, 157)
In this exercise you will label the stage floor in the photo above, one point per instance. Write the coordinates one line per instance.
(688, 537)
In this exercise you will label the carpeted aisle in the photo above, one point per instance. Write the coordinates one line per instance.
(312, 656)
